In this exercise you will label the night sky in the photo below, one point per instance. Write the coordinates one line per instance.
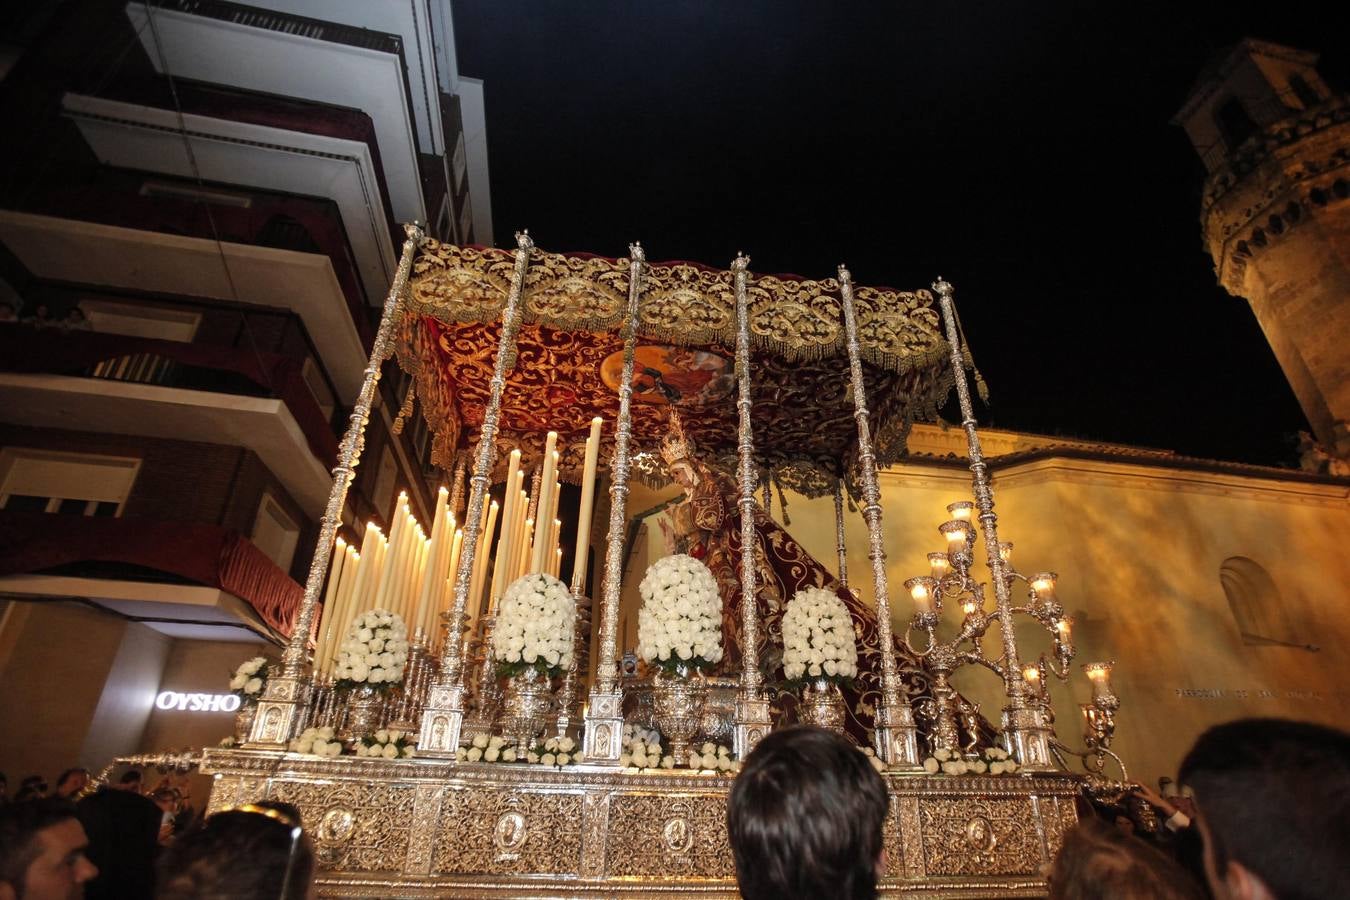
(1022, 150)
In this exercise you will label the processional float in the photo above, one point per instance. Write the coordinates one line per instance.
(440, 824)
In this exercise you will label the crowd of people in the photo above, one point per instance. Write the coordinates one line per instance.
(1262, 813)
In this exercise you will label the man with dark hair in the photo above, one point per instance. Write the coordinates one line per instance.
(805, 817)
(130, 781)
(42, 848)
(1273, 806)
(206, 862)
(71, 782)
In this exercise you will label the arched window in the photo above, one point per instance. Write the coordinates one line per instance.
(1235, 123)
(1260, 611)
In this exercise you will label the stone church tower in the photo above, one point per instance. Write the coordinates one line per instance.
(1275, 214)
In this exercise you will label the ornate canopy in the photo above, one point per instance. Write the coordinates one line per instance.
(569, 345)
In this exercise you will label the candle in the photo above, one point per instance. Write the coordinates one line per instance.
(940, 565)
(509, 500)
(545, 511)
(368, 543)
(581, 555)
(961, 510)
(519, 547)
(389, 567)
(1099, 673)
(921, 590)
(1043, 584)
(380, 551)
(426, 583)
(525, 559)
(330, 602)
(957, 532)
(1005, 550)
(480, 561)
(1063, 630)
(437, 571)
(448, 585)
(969, 606)
(557, 561)
(1032, 675)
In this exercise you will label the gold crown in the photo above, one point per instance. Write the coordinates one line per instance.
(676, 445)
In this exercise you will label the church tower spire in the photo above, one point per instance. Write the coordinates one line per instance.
(1275, 213)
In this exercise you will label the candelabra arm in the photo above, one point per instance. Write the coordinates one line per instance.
(443, 718)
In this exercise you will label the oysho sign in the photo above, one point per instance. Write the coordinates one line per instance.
(197, 702)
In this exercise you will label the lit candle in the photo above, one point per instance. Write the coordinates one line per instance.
(1043, 583)
(940, 565)
(376, 573)
(1005, 550)
(510, 498)
(345, 608)
(368, 543)
(961, 510)
(529, 538)
(588, 475)
(1063, 630)
(1099, 673)
(957, 532)
(390, 566)
(544, 514)
(557, 561)
(520, 546)
(1032, 675)
(330, 603)
(480, 562)
(969, 606)
(922, 589)
(426, 583)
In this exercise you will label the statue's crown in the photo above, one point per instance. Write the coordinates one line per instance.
(676, 445)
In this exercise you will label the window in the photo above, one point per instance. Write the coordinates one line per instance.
(275, 533)
(1303, 91)
(73, 484)
(1235, 123)
(1261, 613)
(318, 386)
(134, 320)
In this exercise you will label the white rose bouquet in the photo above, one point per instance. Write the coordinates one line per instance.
(680, 622)
(374, 652)
(991, 761)
(250, 678)
(385, 743)
(818, 639)
(317, 742)
(536, 621)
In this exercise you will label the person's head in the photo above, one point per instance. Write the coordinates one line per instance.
(31, 788)
(166, 798)
(71, 782)
(42, 848)
(805, 817)
(123, 832)
(205, 862)
(1273, 806)
(130, 781)
(1099, 861)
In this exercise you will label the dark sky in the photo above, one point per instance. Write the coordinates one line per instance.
(1020, 149)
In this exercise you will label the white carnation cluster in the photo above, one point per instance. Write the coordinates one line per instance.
(642, 752)
(818, 639)
(375, 650)
(317, 742)
(992, 760)
(385, 743)
(552, 752)
(680, 622)
(535, 623)
(249, 678)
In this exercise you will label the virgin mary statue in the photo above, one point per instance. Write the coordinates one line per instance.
(709, 527)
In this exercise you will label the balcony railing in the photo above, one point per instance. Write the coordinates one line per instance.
(86, 546)
(198, 367)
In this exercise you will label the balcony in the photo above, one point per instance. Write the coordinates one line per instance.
(86, 381)
(184, 579)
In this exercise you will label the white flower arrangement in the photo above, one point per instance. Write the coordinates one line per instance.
(818, 640)
(536, 620)
(680, 622)
(250, 678)
(991, 761)
(642, 752)
(317, 742)
(385, 743)
(552, 752)
(374, 652)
